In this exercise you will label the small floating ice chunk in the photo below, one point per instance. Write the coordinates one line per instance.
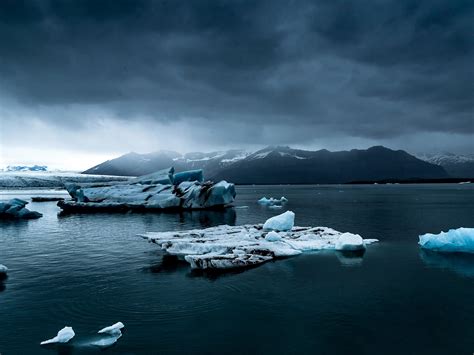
(272, 201)
(350, 242)
(64, 335)
(455, 240)
(113, 329)
(272, 237)
(281, 222)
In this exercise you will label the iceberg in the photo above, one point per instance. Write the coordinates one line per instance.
(272, 202)
(113, 333)
(190, 175)
(64, 335)
(272, 236)
(15, 209)
(160, 190)
(3, 272)
(162, 177)
(282, 222)
(350, 242)
(231, 247)
(459, 240)
(113, 329)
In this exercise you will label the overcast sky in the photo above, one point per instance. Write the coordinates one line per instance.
(85, 81)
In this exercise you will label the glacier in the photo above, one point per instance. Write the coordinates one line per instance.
(15, 209)
(160, 190)
(460, 240)
(51, 179)
(231, 247)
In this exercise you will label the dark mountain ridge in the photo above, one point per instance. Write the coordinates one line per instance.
(281, 165)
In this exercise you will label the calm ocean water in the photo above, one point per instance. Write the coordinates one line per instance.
(89, 271)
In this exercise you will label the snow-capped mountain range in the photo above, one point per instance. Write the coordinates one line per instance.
(277, 164)
(455, 165)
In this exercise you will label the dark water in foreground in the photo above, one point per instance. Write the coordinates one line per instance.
(89, 271)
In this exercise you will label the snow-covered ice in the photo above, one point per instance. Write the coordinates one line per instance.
(282, 222)
(113, 329)
(228, 247)
(149, 192)
(454, 240)
(272, 236)
(15, 209)
(63, 336)
(350, 242)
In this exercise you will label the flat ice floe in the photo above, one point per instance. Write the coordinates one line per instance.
(459, 240)
(230, 247)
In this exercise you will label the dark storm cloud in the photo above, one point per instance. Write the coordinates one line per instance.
(373, 69)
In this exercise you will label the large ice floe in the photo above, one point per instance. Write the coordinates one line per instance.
(15, 209)
(160, 190)
(231, 247)
(459, 240)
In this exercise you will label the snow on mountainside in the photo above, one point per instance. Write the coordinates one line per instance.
(280, 164)
(455, 165)
(134, 164)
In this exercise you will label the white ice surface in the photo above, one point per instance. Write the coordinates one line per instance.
(281, 222)
(113, 329)
(454, 240)
(272, 201)
(349, 241)
(225, 247)
(272, 236)
(63, 336)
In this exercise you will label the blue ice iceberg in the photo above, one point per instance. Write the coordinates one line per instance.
(454, 240)
(163, 177)
(15, 209)
(191, 175)
(282, 222)
(159, 190)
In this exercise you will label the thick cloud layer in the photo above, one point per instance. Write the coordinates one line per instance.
(241, 72)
